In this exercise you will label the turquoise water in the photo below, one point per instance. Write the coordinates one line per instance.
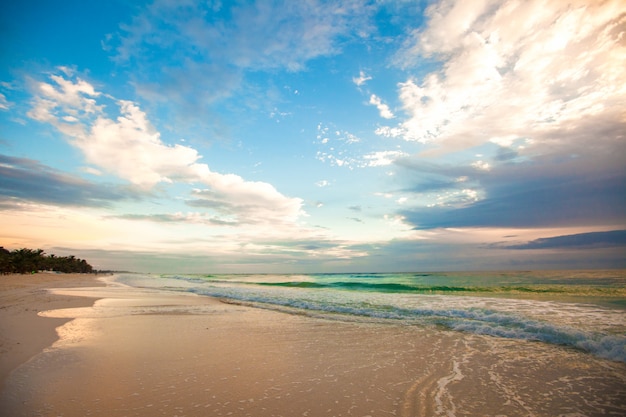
(584, 310)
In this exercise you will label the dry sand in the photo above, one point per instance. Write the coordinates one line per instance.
(140, 352)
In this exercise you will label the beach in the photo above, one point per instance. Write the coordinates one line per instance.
(23, 334)
(129, 351)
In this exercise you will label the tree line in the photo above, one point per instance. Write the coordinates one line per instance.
(27, 261)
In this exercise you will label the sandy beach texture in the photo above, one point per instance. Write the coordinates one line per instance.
(141, 352)
(23, 333)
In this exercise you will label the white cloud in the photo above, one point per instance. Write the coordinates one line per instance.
(505, 141)
(361, 79)
(260, 35)
(92, 171)
(131, 148)
(71, 97)
(278, 115)
(547, 71)
(338, 147)
(4, 103)
(351, 138)
(384, 110)
(383, 158)
(246, 201)
(390, 132)
(456, 198)
(481, 165)
(396, 221)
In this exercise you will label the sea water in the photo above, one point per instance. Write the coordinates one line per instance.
(583, 310)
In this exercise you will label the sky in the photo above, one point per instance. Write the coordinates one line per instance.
(315, 136)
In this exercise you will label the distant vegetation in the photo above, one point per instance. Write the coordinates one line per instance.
(27, 261)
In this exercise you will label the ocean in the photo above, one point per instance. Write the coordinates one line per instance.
(580, 310)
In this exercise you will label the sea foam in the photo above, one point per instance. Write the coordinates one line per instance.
(591, 328)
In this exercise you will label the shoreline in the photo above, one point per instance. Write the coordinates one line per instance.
(131, 351)
(23, 332)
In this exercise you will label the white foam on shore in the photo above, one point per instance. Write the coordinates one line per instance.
(587, 327)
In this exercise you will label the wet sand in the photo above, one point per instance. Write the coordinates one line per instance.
(23, 333)
(140, 352)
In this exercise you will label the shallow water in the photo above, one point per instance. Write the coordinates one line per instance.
(578, 309)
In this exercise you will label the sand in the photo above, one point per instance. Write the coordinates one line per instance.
(23, 333)
(141, 352)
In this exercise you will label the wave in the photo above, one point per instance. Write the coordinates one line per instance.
(485, 306)
(481, 321)
(444, 289)
(377, 287)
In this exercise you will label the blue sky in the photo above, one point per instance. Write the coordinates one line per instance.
(269, 136)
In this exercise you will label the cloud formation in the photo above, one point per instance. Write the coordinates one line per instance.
(213, 58)
(582, 240)
(131, 148)
(4, 103)
(537, 90)
(26, 181)
(550, 73)
(385, 111)
(543, 192)
(383, 158)
(361, 79)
